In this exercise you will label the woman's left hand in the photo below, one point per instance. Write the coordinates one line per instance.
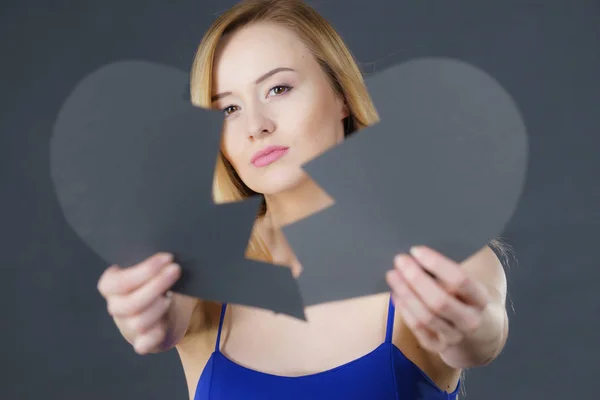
(437, 300)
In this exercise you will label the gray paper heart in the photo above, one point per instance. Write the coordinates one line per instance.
(445, 167)
(132, 163)
(133, 160)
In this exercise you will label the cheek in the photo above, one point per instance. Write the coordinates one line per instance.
(322, 127)
(233, 149)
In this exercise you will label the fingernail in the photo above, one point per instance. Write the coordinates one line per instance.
(394, 277)
(390, 275)
(140, 345)
(401, 261)
(398, 260)
(417, 251)
(396, 282)
(171, 269)
(165, 258)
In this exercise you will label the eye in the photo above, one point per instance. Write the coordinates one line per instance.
(228, 110)
(276, 90)
(280, 89)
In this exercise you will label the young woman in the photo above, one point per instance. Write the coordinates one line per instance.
(289, 90)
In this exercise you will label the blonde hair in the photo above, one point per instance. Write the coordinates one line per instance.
(330, 51)
(323, 42)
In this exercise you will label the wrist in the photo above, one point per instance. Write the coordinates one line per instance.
(483, 345)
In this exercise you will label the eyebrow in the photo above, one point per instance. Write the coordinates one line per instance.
(256, 82)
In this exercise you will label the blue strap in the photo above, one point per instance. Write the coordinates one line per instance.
(218, 344)
(389, 330)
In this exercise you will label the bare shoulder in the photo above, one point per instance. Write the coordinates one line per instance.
(486, 268)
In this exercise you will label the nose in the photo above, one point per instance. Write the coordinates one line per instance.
(259, 124)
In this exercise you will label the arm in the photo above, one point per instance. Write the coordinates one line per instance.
(179, 317)
(147, 318)
(175, 322)
(456, 311)
(484, 344)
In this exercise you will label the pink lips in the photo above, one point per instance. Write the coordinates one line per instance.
(268, 155)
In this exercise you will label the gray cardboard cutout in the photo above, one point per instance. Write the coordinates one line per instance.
(445, 168)
(133, 162)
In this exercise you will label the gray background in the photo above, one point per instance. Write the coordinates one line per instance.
(58, 341)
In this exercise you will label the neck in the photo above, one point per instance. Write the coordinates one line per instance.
(295, 204)
(286, 208)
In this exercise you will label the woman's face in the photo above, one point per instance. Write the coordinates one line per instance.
(279, 108)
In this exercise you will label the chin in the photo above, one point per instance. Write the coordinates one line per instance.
(280, 181)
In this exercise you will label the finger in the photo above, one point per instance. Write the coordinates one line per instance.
(139, 300)
(451, 275)
(104, 282)
(151, 340)
(426, 338)
(142, 322)
(423, 316)
(122, 281)
(435, 297)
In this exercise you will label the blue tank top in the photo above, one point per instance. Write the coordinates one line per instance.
(383, 374)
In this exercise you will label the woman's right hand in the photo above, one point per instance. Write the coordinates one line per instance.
(138, 299)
